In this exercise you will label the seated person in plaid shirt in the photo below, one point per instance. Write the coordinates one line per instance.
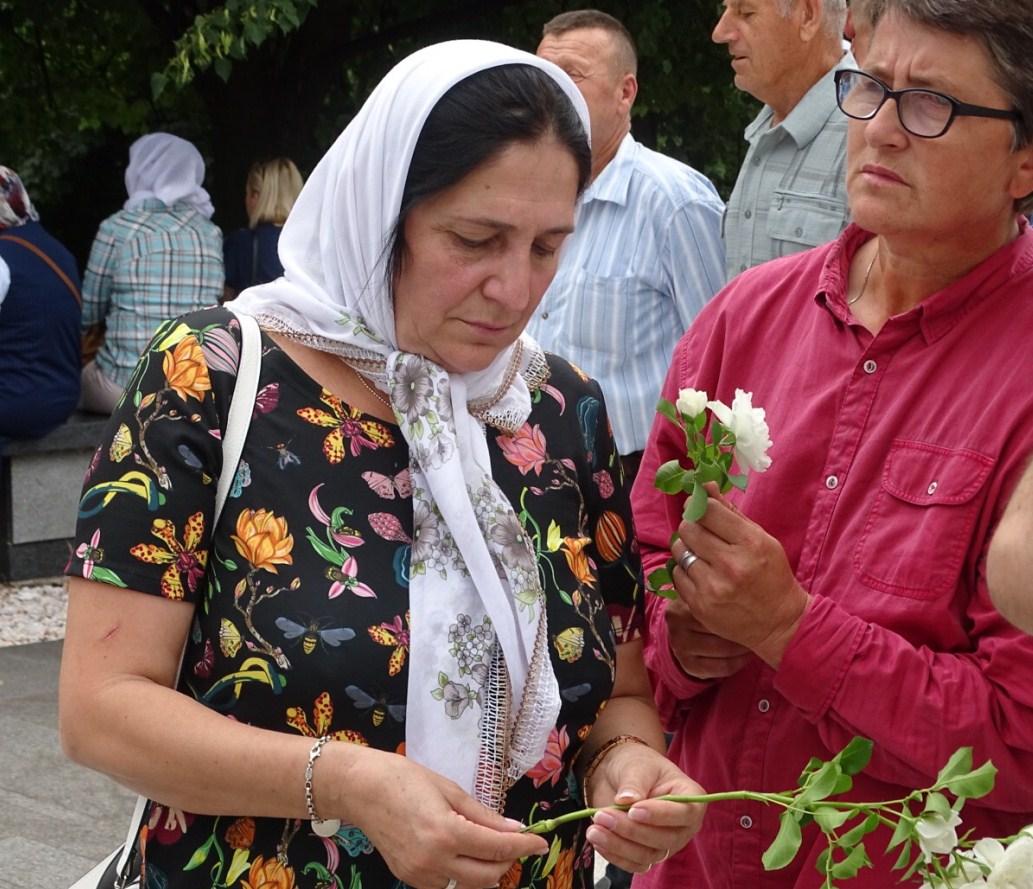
(156, 258)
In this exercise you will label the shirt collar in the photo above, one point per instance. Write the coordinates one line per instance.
(613, 182)
(939, 312)
(809, 116)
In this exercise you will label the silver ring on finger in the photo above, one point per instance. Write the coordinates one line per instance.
(452, 883)
(686, 559)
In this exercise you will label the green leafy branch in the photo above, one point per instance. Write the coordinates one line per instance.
(923, 822)
(218, 38)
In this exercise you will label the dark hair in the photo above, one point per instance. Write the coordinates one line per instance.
(576, 19)
(475, 121)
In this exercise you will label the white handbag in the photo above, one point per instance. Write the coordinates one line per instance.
(114, 872)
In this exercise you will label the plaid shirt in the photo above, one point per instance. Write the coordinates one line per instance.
(146, 265)
(791, 191)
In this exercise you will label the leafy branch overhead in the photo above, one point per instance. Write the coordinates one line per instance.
(218, 38)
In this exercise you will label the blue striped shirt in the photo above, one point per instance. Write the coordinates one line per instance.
(146, 265)
(645, 257)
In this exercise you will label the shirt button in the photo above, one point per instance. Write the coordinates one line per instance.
(763, 705)
(742, 268)
(748, 214)
(832, 483)
(799, 232)
(870, 366)
(746, 822)
(932, 488)
(545, 316)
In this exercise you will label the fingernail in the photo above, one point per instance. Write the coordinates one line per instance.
(624, 797)
(604, 819)
(513, 824)
(637, 813)
(595, 836)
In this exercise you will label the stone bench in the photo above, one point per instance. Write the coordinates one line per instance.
(40, 483)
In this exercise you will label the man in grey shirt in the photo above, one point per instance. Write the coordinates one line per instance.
(790, 194)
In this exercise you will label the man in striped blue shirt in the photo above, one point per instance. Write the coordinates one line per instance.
(646, 253)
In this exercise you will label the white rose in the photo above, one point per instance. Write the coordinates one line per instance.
(1015, 869)
(749, 427)
(691, 402)
(937, 835)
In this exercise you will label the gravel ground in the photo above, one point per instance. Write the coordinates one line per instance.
(32, 611)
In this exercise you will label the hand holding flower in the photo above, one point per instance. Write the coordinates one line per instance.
(741, 588)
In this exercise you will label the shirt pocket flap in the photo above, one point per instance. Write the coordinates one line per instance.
(809, 219)
(927, 475)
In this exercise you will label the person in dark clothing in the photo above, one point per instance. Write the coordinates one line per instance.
(40, 307)
(250, 253)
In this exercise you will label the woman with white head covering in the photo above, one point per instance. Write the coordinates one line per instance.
(156, 258)
(427, 548)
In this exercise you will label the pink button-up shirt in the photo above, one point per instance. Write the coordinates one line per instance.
(893, 458)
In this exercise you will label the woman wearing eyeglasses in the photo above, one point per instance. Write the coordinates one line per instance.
(844, 592)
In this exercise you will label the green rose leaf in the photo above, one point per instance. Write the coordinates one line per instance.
(904, 830)
(660, 582)
(959, 764)
(738, 481)
(904, 857)
(785, 846)
(708, 472)
(820, 784)
(976, 783)
(859, 831)
(855, 756)
(937, 804)
(670, 478)
(849, 866)
(663, 406)
(696, 505)
(830, 819)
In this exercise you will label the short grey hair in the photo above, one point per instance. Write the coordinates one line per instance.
(1005, 28)
(833, 15)
(868, 11)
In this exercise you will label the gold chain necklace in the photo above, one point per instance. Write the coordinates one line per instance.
(864, 283)
(373, 390)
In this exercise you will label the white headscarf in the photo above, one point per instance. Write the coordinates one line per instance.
(482, 695)
(167, 168)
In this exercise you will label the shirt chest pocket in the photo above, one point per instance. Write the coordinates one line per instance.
(804, 220)
(601, 315)
(918, 530)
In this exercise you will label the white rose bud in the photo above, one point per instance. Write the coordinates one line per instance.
(691, 402)
(937, 835)
(1015, 869)
(749, 427)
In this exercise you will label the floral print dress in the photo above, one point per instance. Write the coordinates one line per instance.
(301, 591)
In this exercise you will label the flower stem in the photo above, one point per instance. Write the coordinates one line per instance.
(550, 824)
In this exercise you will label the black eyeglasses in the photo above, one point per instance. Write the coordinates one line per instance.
(924, 113)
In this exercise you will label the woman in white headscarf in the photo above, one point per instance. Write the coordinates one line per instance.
(427, 549)
(156, 258)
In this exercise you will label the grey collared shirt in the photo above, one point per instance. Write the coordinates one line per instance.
(791, 191)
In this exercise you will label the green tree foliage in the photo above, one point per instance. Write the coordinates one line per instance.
(246, 79)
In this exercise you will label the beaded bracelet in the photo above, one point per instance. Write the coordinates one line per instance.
(600, 754)
(321, 827)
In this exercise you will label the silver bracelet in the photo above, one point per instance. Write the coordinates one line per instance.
(321, 827)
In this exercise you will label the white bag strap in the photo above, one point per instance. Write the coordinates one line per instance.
(242, 406)
(238, 420)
